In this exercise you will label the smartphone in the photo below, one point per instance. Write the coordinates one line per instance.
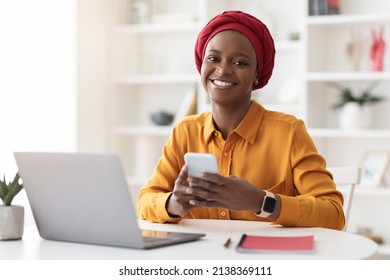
(199, 163)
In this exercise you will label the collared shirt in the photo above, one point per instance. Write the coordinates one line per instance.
(271, 150)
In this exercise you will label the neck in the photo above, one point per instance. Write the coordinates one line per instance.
(226, 119)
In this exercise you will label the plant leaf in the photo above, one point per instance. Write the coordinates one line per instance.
(3, 189)
(13, 190)
(346, 95)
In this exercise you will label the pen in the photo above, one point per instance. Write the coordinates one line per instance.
(227, 243)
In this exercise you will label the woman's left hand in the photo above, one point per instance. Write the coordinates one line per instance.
(229, 192)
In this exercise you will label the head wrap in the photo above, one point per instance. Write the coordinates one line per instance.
(257, 33)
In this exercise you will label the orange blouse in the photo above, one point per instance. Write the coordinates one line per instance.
(271, 150)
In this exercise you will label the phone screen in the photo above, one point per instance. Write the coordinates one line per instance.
(200, 163)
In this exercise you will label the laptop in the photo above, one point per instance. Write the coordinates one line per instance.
(84, 198)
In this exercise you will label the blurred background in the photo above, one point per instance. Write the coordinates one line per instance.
(88, 75)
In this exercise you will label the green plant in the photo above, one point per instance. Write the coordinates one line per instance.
(364, 97)
(9, 190)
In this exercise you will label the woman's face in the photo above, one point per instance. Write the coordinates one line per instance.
(229, 68)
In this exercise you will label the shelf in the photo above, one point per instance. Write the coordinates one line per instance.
(353, 133)
(346, 19)
(158, 28)
(156, 79)
(347, 76)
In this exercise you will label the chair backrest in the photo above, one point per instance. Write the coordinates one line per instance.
(346, 178)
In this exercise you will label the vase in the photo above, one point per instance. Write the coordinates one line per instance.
(354, 116)
(11, 222)
(140, 11)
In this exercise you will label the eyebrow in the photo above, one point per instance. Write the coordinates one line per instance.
(237, 53)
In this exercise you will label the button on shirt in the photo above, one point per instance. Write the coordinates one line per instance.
(270, 150)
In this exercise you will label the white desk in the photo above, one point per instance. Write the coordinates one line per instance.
(329, 244)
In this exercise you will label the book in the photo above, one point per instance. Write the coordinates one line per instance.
(292, 244)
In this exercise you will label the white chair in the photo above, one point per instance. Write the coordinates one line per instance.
(346, 178)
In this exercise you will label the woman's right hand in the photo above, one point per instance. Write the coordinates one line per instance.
(178, 203)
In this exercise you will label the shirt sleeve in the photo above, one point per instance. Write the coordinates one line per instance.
(317, 202)
(155, 193)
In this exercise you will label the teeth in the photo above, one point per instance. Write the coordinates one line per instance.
(222, 83)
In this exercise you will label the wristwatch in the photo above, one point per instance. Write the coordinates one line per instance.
(268, 206)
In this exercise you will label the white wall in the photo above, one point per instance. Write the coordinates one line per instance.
(92, 63)
(37, 79)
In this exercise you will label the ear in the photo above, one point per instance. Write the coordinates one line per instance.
(256, 78)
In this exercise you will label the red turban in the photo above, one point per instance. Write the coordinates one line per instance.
(257, 33)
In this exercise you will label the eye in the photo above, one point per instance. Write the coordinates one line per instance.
(212, 58)
(240, 63)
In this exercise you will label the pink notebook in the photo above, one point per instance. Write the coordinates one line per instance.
(293, 244)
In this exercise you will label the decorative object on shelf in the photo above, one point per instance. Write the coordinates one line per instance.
(11, 216)
(294, 36)
(354, 50)
(377, 50)
(333, 7)
(356, 112)
(318, 7)
(324, 7)
(374, 166)
(354, 116)
(162, 118)
(140, 11)
(188, 105)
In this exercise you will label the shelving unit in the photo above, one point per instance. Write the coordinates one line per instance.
(327, 62)
(151, 71)
(152, 67)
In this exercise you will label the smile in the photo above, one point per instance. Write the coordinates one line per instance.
(222, 83)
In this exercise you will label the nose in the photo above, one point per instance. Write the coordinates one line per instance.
(224, 67)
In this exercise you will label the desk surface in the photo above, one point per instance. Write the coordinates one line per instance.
(329, 244)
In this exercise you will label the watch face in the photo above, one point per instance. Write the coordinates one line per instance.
(269, 204)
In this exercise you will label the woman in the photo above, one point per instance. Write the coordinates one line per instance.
(269, 167)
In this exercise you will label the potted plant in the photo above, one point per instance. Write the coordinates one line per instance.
(11, 216)
(356, 109)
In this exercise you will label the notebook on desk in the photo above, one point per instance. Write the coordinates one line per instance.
(84, 198)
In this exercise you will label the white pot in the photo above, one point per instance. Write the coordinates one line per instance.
(354, 116)
(11, 222)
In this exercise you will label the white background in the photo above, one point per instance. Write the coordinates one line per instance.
(37, 79)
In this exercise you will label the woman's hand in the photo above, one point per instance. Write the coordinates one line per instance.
(178, 203)
(233, 193)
